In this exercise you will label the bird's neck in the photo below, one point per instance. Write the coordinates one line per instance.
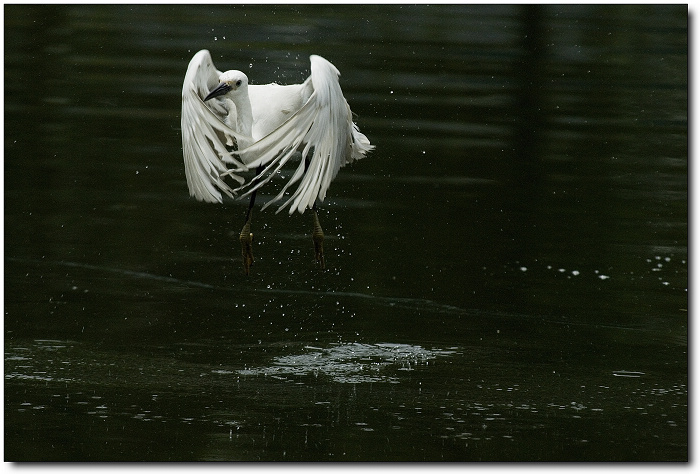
(244, 115)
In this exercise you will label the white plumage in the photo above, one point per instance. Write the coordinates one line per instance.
(230, 127)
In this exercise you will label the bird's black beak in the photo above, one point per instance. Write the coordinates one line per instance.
(221, 89)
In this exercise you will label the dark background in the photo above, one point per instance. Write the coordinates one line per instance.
(507, 273)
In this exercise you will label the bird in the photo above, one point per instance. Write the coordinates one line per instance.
(231, 127)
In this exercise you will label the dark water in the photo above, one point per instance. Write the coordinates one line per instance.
(507, 273)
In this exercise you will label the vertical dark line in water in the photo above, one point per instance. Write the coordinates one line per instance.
(524, 179)
(528, 100)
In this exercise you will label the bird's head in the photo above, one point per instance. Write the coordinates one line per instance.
(230, 82)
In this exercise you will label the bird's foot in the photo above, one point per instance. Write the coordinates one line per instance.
(317, 237)
(246, 239)
(318, 249)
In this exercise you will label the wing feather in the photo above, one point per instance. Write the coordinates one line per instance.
(205, 135)
(330, 140)
(321, 130)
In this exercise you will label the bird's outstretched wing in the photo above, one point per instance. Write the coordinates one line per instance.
(206, 140)
(322, 129)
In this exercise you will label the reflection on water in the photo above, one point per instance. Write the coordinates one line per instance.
(507, 273)
(320, 401)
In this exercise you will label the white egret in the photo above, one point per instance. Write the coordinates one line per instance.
(230, 127)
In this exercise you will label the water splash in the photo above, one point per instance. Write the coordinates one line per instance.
(352, 363)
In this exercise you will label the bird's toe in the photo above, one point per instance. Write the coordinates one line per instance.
(318, 249)
(246, 240)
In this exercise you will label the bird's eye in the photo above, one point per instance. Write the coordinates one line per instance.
(238, 83)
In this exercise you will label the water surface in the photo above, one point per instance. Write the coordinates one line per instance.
(507, 273)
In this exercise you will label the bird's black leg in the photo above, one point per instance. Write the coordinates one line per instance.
(246, 237)
(317, 237)
(317, 234)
